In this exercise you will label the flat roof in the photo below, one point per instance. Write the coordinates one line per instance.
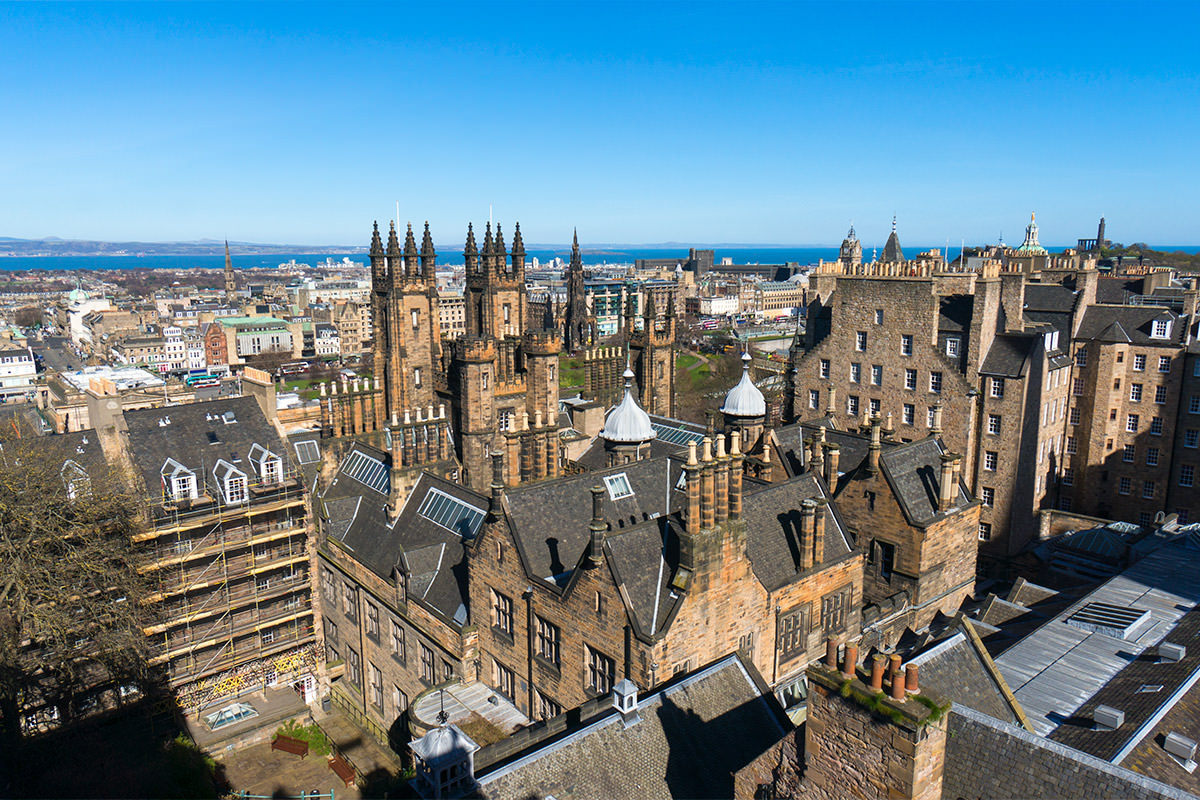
(123, 377)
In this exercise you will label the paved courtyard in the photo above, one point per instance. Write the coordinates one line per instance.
(259, 770)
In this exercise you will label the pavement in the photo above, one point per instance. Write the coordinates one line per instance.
(259, 770)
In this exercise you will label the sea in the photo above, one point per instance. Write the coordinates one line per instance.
(599, 255)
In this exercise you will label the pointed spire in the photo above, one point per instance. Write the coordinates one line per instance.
(650, 313)
(428, 256)
(470, 249)
(228, 260)
(500, 252)
(893, 223)
(376, 242)
(393, 245)
(410, 243)
(518, 245)
(488, 247)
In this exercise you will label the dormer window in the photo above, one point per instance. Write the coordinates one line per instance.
(1160, 329)
(268, 465)
(178, 482)
(231, 481)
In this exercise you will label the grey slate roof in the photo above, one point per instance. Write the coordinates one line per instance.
(690, 739)
(550, 519)
(197, 436)
(1008, 356)
(956, 669)
(644, 559)
(1129, 323)
(772, 517)
(433, 556)
(790, 444)
(913, 470)
(1048, 297)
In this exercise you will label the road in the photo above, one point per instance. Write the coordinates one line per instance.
(58, 354)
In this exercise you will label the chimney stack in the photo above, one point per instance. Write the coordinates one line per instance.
(878, 668)
(721, 484)
(808, 513)
(691, 471)
(850, 661)
(597, 528)
(897, 678)
(497, 484)
(707, 479)
(832, 456)
(948, 490)
(831, 650)
(735, 475)
(936, 428)
(831, 409)
(875, 447)
(819, 534)
(910, 678)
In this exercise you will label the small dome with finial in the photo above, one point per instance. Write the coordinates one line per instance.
(627, 422)
(745, 399)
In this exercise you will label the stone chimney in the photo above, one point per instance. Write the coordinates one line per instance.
(494, 510)
(874, 448)
(707, 479)
(819, 534)
(935, 428)
(597, 528)
(808, 511)
(832, 456)
(736, 461)
(947, 488)
(691, 471)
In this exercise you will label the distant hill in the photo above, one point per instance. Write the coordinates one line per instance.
(53, 246)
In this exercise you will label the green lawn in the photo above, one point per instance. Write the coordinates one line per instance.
(570, 372)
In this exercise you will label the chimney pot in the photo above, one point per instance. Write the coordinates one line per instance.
(878, 668)
(831, 653)
(910, 678)
(850, 661)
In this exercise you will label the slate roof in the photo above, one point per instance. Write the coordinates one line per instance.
(789, 442)
(1129, 324)
(1048, 297)
(433, 556)
(954, 313)
(1008, 357)
(913, 470)
(551, 530)
(197, 435)
(596, 456)
(691, 737)
(1117, 290)
(644, 560)
(960, 669)
(772, 517)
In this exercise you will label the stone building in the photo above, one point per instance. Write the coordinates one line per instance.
(649, 350)
(579, 323)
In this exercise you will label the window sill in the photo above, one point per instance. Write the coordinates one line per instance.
(503, 635)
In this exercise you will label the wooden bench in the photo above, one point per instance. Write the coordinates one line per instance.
(341, 767)
(289, 745)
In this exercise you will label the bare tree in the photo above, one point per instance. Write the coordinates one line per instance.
(72, 602)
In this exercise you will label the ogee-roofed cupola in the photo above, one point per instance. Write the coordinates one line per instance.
(628, 423)
(745, 399)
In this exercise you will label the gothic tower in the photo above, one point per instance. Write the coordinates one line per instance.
(580, 325)
(652, 351)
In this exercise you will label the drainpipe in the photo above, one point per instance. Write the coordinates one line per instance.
(528, 595)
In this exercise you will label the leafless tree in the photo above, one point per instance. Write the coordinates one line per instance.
(72, 601)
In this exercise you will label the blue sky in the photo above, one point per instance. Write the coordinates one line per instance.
(638, 123)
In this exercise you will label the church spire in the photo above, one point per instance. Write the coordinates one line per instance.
(230, 284)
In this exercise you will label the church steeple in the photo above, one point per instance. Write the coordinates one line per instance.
(576, 259)
(230, 284)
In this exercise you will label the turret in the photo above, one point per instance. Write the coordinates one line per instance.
(471, 252)
(410, 254)
(395, 269)
(428, 257)
(518, 253)
(378, 264)
(499, 253)
(489, 250)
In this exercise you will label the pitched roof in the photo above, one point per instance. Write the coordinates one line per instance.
(1131, 324)
(913, 470)
(772, 517)
(690, 738)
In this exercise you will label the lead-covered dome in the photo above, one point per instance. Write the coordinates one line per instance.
(628, 422)
(745, 400)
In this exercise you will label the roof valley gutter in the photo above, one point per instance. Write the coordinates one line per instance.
(662, 562)
(1157, 717)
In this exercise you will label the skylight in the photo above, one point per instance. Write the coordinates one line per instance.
(308, 452)
(370, 472)
(451, 513)
(618, 486)
(673, 435)
(1115, 621)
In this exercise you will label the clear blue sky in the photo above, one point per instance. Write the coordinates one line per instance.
(638, 123)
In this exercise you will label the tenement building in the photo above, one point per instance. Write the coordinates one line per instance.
(1054, 394)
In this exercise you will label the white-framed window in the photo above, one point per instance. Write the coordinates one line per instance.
(1081, 357)
(1160, 394)
(935, 382)
(985, 531)
(879, 316)
(1164, 363)
(997, 387)
(856, 373)
(1187, 474)
(1191, 438)
(1074, 416)
(929, 415)
(1151, 456)
(618, 486)
(1139, 362)
(1131, 423)
(1072, 446)
(814, 398)
(1129, 454)
(876, 374)
(906, 344)
(1147, 490)
(483, 378)
(952, 348)
(988, 496)
(824, 372)
(416, 319)
(873, 405)
(417, 376)
(1156, 426)
(908, 413)
(1068, 477)
(1161, 329)
(1124, 486)
(993, 424)
(1194, 403)
(910, 379)
(860, 341)
(990, 457)
(1077, 386)
(852, 405)
(1135, 392)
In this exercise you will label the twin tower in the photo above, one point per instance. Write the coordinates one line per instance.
(499, 381)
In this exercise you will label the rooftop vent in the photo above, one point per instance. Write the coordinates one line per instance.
(624, 700)
(229, 417)
(1115, 621)
(1169, 652)
(1182, 748)
(1108, 718)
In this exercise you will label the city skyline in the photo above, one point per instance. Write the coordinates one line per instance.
(777, 124)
